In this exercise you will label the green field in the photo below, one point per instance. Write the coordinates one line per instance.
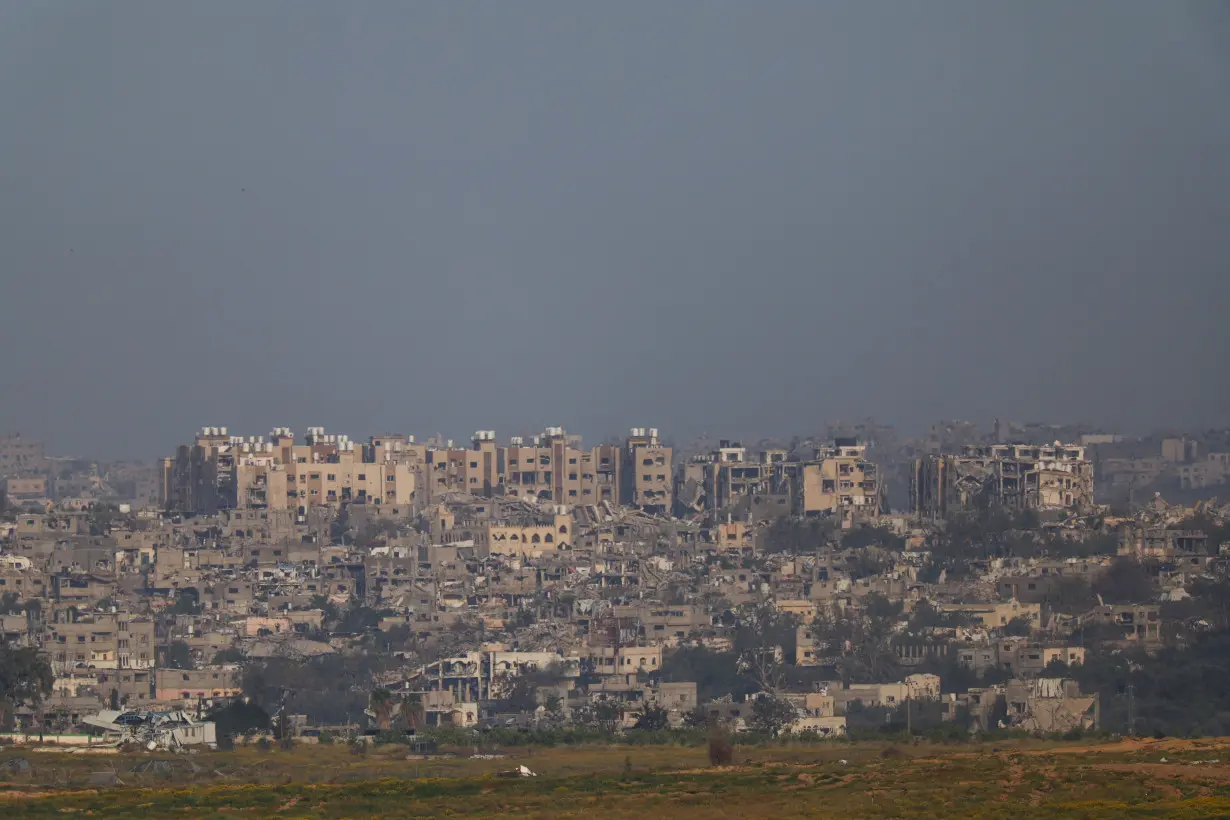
(1170, 778)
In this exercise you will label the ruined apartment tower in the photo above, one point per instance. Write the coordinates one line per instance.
(837, 481)
(1008, 476)
(219, 471)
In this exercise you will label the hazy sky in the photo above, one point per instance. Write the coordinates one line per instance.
(732, 217)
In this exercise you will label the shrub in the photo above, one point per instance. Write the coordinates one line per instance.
(721, 749)
(891, 753)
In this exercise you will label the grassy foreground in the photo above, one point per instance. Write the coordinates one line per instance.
(1172, 778)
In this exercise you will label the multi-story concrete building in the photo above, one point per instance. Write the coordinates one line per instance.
(837, 481)
(840, 481)
(220, 471)
(20, 490)
(1213, 470)
(729, 479)
(601, 469)
(20, 455)
(548, 467)
(101, 641)
(531, 538)
(224, 472)
(223, 681)
(1012, 476)
(1180, 450)
(646, 480)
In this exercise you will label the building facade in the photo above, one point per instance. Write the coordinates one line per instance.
(219, 471)
(1009, 476)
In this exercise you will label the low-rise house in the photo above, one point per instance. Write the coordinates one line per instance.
(222, 681)
(1029, 659)
(994, 615)
(1139, 623)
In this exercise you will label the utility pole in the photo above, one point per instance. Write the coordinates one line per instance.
(909, 717)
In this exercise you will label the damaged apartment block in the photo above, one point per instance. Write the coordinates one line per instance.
(1009, 476)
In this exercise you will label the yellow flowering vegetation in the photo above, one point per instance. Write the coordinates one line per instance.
(1179, 779)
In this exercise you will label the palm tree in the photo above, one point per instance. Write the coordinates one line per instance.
(382, 706)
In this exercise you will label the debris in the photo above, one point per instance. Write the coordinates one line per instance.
(153, 730)
(520, 771)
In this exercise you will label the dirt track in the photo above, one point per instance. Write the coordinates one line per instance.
(1131, 745)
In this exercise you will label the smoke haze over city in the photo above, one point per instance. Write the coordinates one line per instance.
(718, 217)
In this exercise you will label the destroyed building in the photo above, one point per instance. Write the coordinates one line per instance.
(152, 730)
(220, 471)
(729, 484)
(1006, 476)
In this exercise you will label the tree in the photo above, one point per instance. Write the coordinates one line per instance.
(102, 517)
(25, 678)
(715, 673)
(382, 706)
(763, 637)
(554, 707)
(1125, 581)
(770, 715)
(375, 533)
(179, 655)
(696, 718)
(329, 610)
(1071, 596)
(411, 711)
(340, 528)
(653, 718)
(230, 655)
(187, 602)
(866, 563)
(238, 718)
(606, 716)
(878, 605)
(796, 536)
(862, 643)
(721, 749)
(358, 618)
(10, 603)
(831, 630)
(859, 537)
(520, 692)
(926, 615)
(1056, 669)
(1020, 626)
(328, 688)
